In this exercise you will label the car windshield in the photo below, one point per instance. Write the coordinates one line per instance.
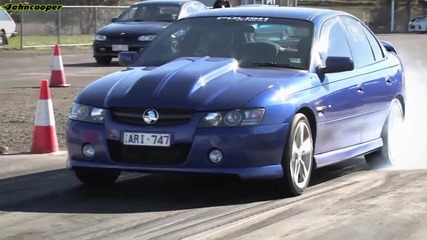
(254, 41)
(150, 13)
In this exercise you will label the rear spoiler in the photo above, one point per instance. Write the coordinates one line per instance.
(389, 46)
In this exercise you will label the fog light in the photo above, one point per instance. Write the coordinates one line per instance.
(88, 151)
(216, 156)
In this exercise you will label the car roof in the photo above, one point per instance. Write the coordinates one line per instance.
(177, 2)
(300, 13)
(257, 5)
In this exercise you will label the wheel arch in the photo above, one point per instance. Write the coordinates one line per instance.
(402, 101)
(311, 119)
(309, 113)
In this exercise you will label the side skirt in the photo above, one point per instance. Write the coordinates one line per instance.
(329, 158)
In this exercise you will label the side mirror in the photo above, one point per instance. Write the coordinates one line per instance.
(125, 58)
(114, 19)
(337, 64)
(389, 46)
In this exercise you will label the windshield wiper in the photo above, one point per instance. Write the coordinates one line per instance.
(281, 65)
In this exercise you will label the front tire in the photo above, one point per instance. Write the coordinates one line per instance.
(297, 160)
(392, 132)
(97, 177)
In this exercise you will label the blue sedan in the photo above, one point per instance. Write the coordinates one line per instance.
(212, 94)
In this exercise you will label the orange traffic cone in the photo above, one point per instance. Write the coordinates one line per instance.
(57, 76)
(44, 137)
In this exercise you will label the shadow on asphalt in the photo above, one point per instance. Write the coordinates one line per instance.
(92, 64)
(150, 193)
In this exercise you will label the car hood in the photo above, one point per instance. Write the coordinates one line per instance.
(197, 84)
(133, 28)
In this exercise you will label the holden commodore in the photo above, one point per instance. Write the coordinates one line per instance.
(209, 96)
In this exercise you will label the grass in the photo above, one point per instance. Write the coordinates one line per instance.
(40, 41)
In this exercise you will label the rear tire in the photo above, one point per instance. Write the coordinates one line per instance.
(97, 177)
(3, 37)
(388, 154)
(297, 160)
(103, 60)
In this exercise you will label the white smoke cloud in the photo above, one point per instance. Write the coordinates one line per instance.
(414, 140)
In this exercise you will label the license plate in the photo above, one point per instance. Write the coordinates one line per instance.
(120, 47)
(147, 139)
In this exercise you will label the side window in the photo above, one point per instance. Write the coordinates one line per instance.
(359, 45)
(332, 42)
(376, 46)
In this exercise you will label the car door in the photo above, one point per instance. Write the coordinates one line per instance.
(377, 76)
(339, 119)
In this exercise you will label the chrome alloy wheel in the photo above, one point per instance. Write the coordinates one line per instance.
(302, 155)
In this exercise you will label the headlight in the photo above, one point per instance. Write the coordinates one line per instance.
(100, 37)
(84, 113)
(233, 118)
(146, 37)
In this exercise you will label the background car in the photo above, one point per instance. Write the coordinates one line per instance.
(138, 25)
(418, 24)
(7, 25)
(209, 96)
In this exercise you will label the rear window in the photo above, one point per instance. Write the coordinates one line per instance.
(4, 16)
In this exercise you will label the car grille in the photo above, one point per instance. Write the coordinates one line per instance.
(167, 117)
(122, 39)
(144, 155)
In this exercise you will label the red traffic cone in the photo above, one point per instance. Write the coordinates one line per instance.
(44, 136)
(57, 76)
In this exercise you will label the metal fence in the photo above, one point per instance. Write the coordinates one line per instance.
(76, 25)
(73, 25)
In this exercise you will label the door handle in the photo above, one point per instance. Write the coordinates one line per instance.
(388, 81)
(360, 88)
(320, 108)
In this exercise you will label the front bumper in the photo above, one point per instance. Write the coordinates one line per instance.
(105, 48)
(249, 152)
(416, 28)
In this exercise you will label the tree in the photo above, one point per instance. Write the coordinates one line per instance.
(423, 4)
